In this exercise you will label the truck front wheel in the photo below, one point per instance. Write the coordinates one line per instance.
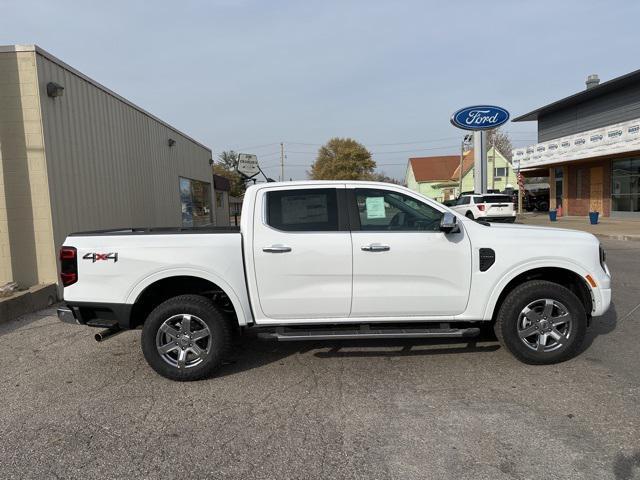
(541, 322)
(186, 338)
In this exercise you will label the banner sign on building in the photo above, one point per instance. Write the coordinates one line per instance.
(480, 117)
(618, 138)
(248, 165)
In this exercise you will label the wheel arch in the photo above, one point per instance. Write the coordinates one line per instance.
(567, 276)
(155, 289)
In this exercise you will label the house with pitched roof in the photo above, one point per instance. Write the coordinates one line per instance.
(439, 177)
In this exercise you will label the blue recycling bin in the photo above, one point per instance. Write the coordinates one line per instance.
(553, 215)
(593, 217)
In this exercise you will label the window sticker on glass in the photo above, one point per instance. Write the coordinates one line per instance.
(375, 207)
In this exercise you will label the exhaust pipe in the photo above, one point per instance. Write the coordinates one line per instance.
(108, 333)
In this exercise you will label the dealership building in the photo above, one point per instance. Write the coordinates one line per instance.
(74, 156)
(589, 147)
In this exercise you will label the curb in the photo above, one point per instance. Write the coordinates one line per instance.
(28, 301)
(627, 238)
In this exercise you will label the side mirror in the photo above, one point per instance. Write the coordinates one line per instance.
(449, 223)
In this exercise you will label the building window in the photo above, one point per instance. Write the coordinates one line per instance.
(559, 173)
(195, 197)
(625, 188)
(219, 200)
(500, 171)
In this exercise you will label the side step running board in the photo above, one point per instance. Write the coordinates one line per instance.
(292, 335)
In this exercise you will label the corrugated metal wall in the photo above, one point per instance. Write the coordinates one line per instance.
(109, 164)
(615, 107)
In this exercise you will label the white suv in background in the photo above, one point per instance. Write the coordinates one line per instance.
(491, 207)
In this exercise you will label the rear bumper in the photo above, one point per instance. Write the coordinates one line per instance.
(106, 315)
(66, 315)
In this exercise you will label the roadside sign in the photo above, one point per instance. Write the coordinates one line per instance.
(480, 117)
(248, 165)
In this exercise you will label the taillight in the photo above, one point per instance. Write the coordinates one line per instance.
(481, 207)
(68, 266)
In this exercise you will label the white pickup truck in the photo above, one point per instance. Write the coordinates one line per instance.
(335, 260)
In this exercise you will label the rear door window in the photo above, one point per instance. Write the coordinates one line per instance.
(303, 210)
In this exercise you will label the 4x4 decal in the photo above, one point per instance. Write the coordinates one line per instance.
(95, 257)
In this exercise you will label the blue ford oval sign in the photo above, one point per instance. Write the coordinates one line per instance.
(480, 117)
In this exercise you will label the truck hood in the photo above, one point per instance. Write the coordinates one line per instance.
(532, 232)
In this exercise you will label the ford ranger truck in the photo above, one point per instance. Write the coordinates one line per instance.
(328, 260)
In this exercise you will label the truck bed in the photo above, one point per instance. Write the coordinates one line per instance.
(155, 231)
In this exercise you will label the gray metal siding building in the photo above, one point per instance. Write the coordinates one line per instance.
(88, 159)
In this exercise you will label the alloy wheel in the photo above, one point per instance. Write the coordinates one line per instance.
(183, 341)
(544, 325)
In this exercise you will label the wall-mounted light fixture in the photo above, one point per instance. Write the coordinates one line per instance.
(54, 90)
(171, 142)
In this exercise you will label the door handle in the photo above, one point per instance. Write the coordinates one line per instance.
(277, 249)
(375, 247)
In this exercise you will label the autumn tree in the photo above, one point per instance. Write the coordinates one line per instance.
(382, 177)
(226, 167)
(501, 141)
(342, 159)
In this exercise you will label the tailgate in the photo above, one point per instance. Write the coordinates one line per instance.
(499, 208)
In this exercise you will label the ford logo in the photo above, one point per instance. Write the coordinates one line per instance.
(480, 117)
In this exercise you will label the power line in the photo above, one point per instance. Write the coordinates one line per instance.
(416, 142)
(254, 146)
(441, 147)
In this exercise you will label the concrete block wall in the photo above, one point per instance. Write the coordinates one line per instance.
(27, 254)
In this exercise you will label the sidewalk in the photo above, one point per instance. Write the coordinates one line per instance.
(619, 229)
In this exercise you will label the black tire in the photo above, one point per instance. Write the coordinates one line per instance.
(511, 220)
(470, 216)
(508, 325)
(218, 342)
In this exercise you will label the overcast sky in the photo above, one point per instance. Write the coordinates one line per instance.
(249, 74)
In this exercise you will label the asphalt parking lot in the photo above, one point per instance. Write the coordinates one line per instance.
(73, 408)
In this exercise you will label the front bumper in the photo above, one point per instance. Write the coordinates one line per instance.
(603, 305)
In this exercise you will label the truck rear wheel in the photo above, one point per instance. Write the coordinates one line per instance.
(541, 322)
(186, 338)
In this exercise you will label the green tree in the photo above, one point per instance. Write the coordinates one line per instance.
(342, 159)
(226, 167)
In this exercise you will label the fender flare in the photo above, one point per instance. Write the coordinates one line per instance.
(553, 262)
(241, 307)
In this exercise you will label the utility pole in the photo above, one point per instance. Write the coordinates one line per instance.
(465, 142)
(282, 161)
(461, 165)
(493, 160)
